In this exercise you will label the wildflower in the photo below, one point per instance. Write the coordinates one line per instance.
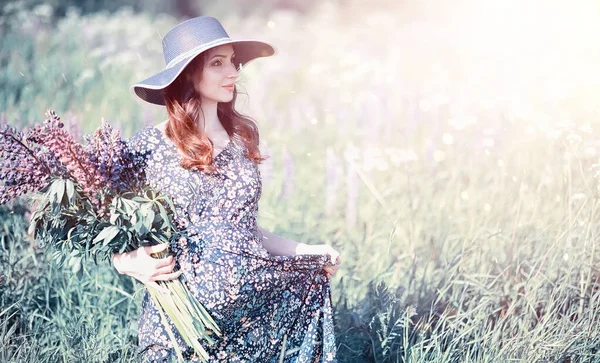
(67, 151)
(24, 166)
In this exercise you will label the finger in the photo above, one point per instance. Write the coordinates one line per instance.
(332, 270)
(165, 277)
(332, 252)
(334, 255)
(332, 267)
(161, 262)
(164, 270)
(156, 248)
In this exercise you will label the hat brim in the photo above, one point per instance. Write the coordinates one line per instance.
(151, 90)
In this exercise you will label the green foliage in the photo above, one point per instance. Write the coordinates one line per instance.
(91, 68)
(467, 222)
(60, 8)
(66, 222)
(49, 314)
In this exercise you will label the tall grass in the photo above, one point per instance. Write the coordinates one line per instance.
(458, 187)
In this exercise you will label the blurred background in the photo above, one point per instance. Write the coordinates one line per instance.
(448, 150)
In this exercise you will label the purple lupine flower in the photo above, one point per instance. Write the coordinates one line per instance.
(117, 168)
(68, 152)
(24, 166)
(29, 160)
(73, 125)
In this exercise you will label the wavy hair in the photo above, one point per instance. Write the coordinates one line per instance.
(184, 108)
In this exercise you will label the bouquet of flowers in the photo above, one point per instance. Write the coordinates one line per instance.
(89, 201)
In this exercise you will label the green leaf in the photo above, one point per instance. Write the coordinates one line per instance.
(163, 212)
(134, 218)
(143, 229)
(114, 217)
(60, 190)
(123, 248)
(170, 203)
(52, 191)
(107, 234)
(75, 263)
(32, 226)
(70, 189)
(116, 203)
(138, 226)
(130, 206)
(149, 215)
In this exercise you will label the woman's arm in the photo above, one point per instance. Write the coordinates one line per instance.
(279, 246)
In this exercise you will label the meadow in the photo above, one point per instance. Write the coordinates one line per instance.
(452, 160)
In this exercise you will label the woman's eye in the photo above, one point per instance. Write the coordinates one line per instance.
(218, 62)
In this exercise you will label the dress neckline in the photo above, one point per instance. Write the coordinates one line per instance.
(171, 144)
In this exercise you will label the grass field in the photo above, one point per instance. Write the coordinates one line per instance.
(449, 157)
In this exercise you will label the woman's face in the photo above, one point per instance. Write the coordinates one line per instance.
(215, 81)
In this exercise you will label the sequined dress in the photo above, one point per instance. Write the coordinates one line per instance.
(254, 297)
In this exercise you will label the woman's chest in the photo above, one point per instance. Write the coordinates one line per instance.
(235, 183)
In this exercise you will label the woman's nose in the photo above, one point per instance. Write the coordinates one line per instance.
(233, 71)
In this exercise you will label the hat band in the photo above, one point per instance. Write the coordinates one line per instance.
(191, 52)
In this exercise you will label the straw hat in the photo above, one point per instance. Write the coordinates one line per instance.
(187, 40)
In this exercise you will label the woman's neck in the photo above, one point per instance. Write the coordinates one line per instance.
(208, 121)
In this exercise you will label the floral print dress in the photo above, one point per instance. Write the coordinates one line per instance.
(255, 298)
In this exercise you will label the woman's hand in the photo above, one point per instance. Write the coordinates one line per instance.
(305, 249)
(140, 265)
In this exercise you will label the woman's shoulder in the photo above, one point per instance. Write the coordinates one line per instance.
(144, 140)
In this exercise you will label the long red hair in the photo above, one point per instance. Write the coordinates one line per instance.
(184, 107)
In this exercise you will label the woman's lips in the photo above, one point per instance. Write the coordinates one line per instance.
(229, 88)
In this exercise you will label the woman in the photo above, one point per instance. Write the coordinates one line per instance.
(257, 286)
